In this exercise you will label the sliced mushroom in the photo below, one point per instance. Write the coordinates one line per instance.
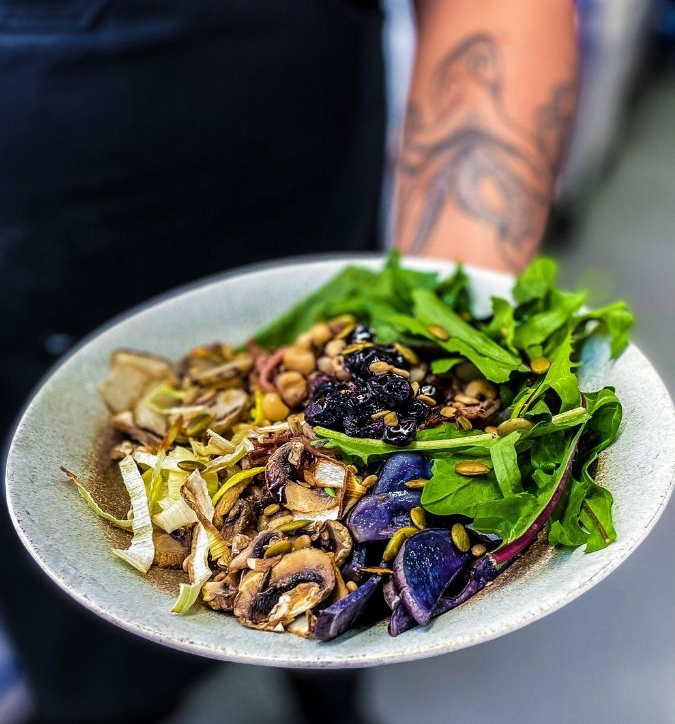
(301, 499)
(240, 519)
(255, 549)
(334, 537)
(219, 595)
(237, 367)
(146, 417)
(169, 552)
(303, 625)
(124, 421)
(129, 376)
(301, 580)
(279, 470)
(227, 407)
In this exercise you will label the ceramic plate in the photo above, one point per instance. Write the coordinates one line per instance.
(65, 424)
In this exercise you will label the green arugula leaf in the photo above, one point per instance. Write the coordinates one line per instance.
(535, 281)
(505, 464)
(366, 449)
(615, 320)
(454, 291)
(301, 316)
(560, 310)
(445, 364)
(448, 493)
(502, 326)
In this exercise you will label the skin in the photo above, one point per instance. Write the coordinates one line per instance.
(489, 109)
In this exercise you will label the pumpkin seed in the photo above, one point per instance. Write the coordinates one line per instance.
(302, 541)
(478, 550)
(377, 570)
(345, 331)
(466, 399)
(390, 419)
(439, 332)
(369, 481)
(466, 371)
(190, 465)
(393, 546)
(464, 422)
(271, 509)
(356, 347)
(198, 424)
(471, 468)
(279, 548)
(512, 425)
(351, 586)
(330, 491)
(379, 414)
(428, 400)
(276, 523)
(540, 365)
(460, 537)
(416, 484)
(480, 387)
(378, 367)
(292, 526)
(407, 354)
(418, 518)
(448, 412)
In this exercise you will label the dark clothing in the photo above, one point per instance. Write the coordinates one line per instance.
(144, 144)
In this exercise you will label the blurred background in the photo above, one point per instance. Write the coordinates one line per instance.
(610, 655)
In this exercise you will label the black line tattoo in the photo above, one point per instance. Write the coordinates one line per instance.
(469, 152)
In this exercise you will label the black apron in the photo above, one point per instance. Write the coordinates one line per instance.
(145, 144)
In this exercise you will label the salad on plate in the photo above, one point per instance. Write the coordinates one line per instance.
(377, 450)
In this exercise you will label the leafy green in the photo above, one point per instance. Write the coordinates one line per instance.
(614, 320)
(366, 449)
(537, 328)
(454, 291)
(502, 326)
(505, 464)
(535, 281)
(449, 493)
(493, 361)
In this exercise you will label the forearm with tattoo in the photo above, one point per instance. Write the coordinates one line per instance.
(462, 150)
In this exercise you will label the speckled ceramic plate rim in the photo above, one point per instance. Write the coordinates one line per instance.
(272, 649)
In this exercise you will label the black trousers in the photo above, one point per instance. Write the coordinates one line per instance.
(145, 144)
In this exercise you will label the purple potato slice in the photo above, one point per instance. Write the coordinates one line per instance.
(424, 567)
(399, 468)
(400, 620)
(378, 516)
(343, 614)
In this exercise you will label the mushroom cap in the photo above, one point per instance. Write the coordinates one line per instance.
(298, 582)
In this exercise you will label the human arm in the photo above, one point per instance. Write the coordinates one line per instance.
(489, 107)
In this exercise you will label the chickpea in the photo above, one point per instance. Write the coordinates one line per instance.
(320, 333)
(334, 347)
(325, 365)
(304, 340)
(292, 387)
(299, 360)
(273, 407)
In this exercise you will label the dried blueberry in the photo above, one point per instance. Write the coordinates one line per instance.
(419, 411)
(390, 390)
(430, 391)
(361, 333)
(401, 434)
